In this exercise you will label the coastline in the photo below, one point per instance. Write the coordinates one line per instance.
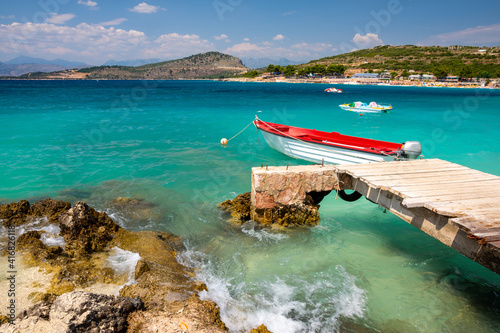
(349, 81)
(343, 82)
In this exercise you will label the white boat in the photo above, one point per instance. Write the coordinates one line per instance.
(373, 107)
(333, 148)
(333, 90)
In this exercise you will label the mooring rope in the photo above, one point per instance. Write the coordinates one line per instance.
(240, 131)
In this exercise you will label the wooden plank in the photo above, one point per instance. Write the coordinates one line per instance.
(485, 182)
(401, 167)
(473, 223)
(455, 208)
(413, 202)
(440, 189)
(443, 174)
(403, 171)
(429, 181)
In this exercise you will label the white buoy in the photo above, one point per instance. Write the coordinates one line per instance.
(223, 141)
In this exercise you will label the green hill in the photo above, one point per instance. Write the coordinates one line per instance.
(464, 61)
(205, 65)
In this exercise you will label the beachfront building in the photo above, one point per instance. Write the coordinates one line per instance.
(428, 77)
(366, 78)
(414, 77)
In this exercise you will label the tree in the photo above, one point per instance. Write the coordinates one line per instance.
(440, 72)
(333, 68)
(270, 68)
(289, 70)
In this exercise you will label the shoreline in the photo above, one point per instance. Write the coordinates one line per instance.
(344, 82)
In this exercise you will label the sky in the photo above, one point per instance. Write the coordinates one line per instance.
(95, 31)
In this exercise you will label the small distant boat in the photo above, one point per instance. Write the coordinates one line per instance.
(333, 90)
(363, 107)
(333, 148)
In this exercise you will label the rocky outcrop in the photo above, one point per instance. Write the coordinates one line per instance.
(77, 312)
(239, 208)
(85, 230)
(20, 212)
(167, 290)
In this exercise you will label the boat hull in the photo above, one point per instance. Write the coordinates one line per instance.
(319, 153)
(364, 109)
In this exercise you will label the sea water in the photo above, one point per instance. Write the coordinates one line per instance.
(360, 270)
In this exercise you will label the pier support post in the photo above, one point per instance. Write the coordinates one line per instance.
(290, 195)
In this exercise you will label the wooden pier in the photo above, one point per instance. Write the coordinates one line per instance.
(457, 205)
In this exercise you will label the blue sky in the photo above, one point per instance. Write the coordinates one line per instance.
(94, 31)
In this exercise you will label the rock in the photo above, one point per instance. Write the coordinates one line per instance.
(261, 329)
(18, 213)
(85, 230)
(14, 213)
(281, 211)
(239, 207)
(305, 213)
(141, 268)
(77, 312)
(135, 211)
(50, 208)
(4, 319)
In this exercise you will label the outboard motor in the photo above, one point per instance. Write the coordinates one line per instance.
(411, 149)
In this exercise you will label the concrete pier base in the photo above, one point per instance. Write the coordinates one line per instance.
(290, 195)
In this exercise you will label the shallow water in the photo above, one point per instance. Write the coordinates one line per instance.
(360, 270)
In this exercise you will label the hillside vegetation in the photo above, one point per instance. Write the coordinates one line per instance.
(205, 65)
(464, 61)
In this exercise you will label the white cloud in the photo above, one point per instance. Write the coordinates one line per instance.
(246, 39)
(144, 8)
(59, 18)
(89, 3)
(220, 37)
(175, 45)
(367, 41)
(289, 13)
(84, 42)
(10, 17)
(117, 21)
(481, 36)
(279, 37)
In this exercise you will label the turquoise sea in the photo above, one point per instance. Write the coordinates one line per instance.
(360, 270)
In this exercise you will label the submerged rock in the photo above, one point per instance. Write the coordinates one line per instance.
(76, 312)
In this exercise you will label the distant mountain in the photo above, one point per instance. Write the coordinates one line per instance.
(17, 70)
(205, 65)
(20, 60)
(133, 63)
(264, 62)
